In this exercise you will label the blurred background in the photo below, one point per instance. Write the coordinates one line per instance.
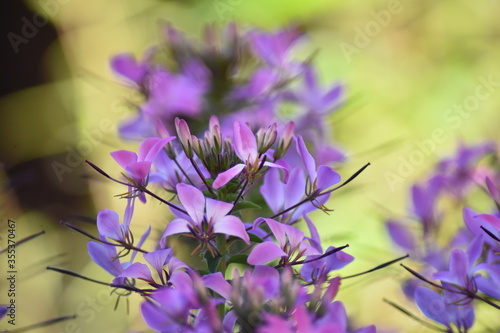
(408, 66)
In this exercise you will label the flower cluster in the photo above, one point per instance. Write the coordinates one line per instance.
(238, 189)
(464, 269)
(236, 192)
(216, 182)
(250, 77)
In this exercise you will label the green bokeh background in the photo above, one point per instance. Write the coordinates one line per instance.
(402, 79)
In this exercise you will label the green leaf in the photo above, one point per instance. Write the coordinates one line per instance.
(245, 205)
(212, 262)
(255, 239)
(238, 259)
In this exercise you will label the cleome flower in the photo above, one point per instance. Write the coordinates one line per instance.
(291, 245)
(206, 218)
(138, 166)
(170, 270)
(246, 148)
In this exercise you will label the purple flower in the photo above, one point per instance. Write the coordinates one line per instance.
(181, 309)
(401, 235)
(207, 217)
(245, 146)
(280, 195)
(445, 308)
(460, 171)
(318, 270)
(173, 94)
(301, 320)
(478, 223)
(321, 178)
(138, 166)
(317, 102)
(274, 48)
(168, 269)
(424, 197)
(255, 293)
(108, 224)
(106, 256)
(490, 284)
(493, 190)
(291, 245)
(461, 269)
(127, 66)
(260, 85)
(138, 127)
(168, 174)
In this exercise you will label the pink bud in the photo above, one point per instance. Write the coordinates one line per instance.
(184, 136)
(285, 140)
(161, 129)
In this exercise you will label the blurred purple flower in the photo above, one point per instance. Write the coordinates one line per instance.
(274, 48)
(127, 66)
(461, 170)
(170, 95)
(444, 308)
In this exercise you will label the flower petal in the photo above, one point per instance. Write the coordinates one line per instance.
(273, 190)
(265, 252)
(138, 271)
(217, 283)
(177, 226)
(140, 170)
(150, 147)
(105, 256)
(233, 226)
(224, 177)
(158, 259)
(108, 224)
(124, 157)
(401, 235)
(193, 201)
(326, 177)
(179, 279)
(307, 158)
(155, 317)
(295, 236)
(491, 219)
(294, 188)
(315, 239)
(216, 209)
(125, 64)
(245, 144)
(432, 305)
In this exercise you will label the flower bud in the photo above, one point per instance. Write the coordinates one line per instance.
(266, 138)
(197, 146)
(216, 136)
(184, 136)
(285, 140)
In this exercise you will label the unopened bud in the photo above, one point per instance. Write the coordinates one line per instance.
(285, 140)
(197, 146)
(266, 138)
(184, 136)
(216, 140)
